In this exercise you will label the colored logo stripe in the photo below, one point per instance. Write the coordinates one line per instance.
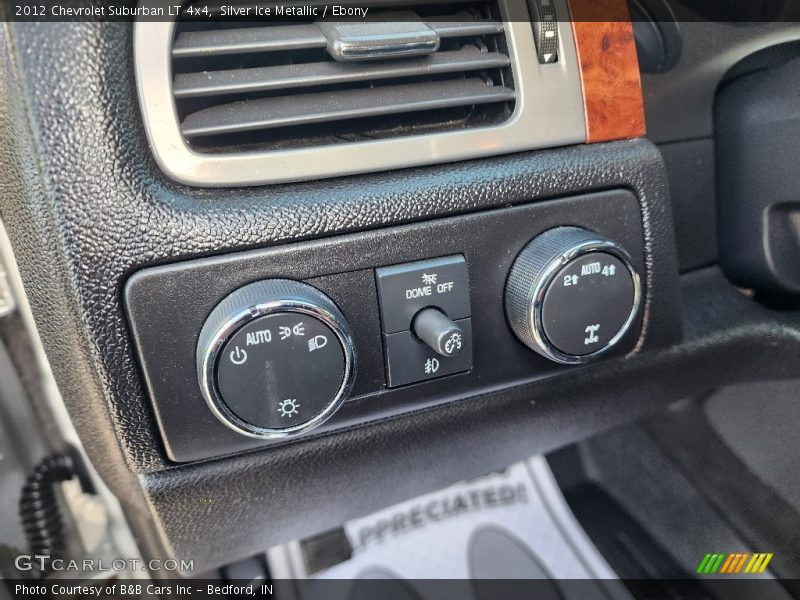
(759, 562)
(733, 563)
(710, 563)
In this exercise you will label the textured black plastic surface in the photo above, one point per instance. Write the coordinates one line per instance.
(690, 169)
(757, 128)
(679, 107)
(103, 211)
(166, 332)
(728, 338)
(86, 207)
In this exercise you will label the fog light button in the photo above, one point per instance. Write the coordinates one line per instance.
(438, 331)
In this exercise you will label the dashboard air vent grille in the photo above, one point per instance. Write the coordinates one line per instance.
(266, 85)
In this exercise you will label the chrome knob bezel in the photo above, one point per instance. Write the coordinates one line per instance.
(208, 359)
(555, 249)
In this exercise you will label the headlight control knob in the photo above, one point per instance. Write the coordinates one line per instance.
(572, 295)
(275, 359)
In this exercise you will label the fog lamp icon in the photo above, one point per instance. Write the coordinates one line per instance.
(317, 342)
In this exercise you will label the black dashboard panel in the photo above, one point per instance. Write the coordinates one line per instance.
(89, 213)
(105, 211)
(122, 265)
(236, 507)
(680, 104)
(87, 208)
(169, 304)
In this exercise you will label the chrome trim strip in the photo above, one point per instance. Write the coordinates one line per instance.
(549, 112)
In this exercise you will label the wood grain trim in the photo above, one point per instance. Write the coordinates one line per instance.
(612, 88)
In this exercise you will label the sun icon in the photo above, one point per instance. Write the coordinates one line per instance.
(289, 407)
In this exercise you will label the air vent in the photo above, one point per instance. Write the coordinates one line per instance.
(265, 85)
(229, 102)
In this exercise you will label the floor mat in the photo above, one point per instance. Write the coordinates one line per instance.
(512, 525)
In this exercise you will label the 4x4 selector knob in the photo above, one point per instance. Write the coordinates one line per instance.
(275, 358)
(572, 295)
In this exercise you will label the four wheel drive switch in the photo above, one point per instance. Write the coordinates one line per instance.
(572, 295)
(425, 315)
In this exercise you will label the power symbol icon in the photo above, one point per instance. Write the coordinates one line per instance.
(238, 356)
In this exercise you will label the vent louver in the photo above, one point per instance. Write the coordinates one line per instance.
(266, 85)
